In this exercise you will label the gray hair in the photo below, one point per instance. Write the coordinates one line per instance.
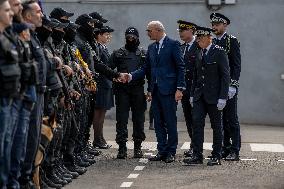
(157, 24)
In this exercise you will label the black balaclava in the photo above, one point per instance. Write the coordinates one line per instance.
(57, 36)
(132, 45)
(87, 31)
(42, 34)
(69, 36)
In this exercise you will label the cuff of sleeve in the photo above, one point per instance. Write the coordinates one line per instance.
(235, 83)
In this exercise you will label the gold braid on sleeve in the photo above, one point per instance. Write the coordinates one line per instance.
(90, 83)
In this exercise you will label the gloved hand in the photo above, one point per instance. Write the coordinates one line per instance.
(191, 101)
(232, 92)
(221, 104)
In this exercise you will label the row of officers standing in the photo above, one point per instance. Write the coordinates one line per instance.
(56, 82)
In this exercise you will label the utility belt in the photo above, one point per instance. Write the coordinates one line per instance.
(10, 78)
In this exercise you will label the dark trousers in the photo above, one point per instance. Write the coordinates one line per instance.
(5, 133)
(33, 139)
(231, 126)
(199, 112)
(165, 122)
(187, 115)
(19, 143)
(130, 98)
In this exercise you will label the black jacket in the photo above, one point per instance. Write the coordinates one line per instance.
(232, 47)
(211, 77)
(190, 58)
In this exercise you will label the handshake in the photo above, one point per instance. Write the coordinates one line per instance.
(123, 78)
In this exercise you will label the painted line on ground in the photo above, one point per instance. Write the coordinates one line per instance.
(281, 160)
(139, 168)
(267, 147)
(133, 176)
(126, 184)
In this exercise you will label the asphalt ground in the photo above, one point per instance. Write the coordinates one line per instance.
(261, 164)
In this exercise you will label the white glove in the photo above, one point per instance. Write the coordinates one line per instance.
(232, 92)
(191, 101)
(221, 104)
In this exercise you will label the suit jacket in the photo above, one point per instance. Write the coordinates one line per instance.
(232, 47)
(166, 69)
(211, 77)
(104, 55)
(190, 58)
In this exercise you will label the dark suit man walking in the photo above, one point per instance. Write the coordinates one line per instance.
(209, 92)
(164, 64)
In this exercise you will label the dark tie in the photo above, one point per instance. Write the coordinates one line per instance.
(186, 49)
(157, 47)
(204, 52)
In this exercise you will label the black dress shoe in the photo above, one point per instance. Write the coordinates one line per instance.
(194, 160)
(188, 153)
(157, 157)
(225, 153)
(233, 156)
(169, 159)
(214, 161)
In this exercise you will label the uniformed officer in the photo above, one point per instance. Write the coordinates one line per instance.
(129, 95)
(231, 45)
(190, 52)
(104, 95)
(208, 96)
(10, 87)
(32, 14)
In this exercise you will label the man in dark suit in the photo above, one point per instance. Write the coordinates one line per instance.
(209, 92)
(164, 63)
(230, 115)
(190, 50)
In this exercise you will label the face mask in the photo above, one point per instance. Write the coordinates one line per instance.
(43, 33)
(70, 35)
(57, 36)
(132, 45)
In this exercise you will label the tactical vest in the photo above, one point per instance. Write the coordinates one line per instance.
(10, 71)
(127, 62)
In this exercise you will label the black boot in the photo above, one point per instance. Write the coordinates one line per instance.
(137, 149)
(69, 162)
(122, 151)
(46, 181)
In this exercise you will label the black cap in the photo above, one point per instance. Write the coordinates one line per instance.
(98, 16)
(106, 29)
(219, 18)
(85, 18)
(59, 12)
(19, 27)
(48, 23)
(131, 31)
(203, 31)
(59, 24)
(184, 25)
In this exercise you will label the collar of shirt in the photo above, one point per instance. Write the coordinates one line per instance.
(191, 42)
(161, 41)
(208, 48)
(219, 38)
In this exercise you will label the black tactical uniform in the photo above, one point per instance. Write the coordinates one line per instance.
(231, 123)
(129, 95)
